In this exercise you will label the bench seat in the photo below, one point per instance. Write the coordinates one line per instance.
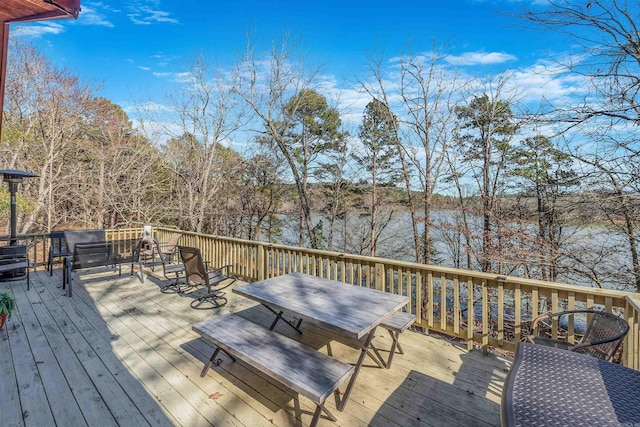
(396, 324)
(303, 369)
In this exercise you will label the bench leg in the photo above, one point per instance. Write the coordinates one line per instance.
(400, 350)
(317, 412)
(395, 344)
(316, 416)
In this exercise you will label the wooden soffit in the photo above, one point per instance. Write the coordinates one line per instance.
(37, 10)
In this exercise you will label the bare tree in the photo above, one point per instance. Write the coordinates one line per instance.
(123, 177)
(421, 96)
(261, 194)
(337, 195)
(428, 90)
(202, 117)
(608, 61)
(607, 38)
(45, 107)
(295, 119)
(486, 129)
(378, 155)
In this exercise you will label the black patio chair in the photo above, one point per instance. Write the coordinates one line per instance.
(198, 274)
(57, 249)
(601, 339)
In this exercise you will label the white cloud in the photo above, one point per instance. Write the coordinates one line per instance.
(37, 30)
(92, 16)
(480, 58)
(177, 77)
(148, 12)
(147, 106)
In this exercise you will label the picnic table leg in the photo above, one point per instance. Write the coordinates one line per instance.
(342, 402)
(295, 326)
(212, 360)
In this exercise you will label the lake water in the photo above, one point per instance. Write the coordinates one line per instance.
(586, 249)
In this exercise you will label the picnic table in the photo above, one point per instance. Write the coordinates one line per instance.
(347, 310)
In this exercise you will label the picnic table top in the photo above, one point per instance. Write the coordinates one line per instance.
(348, 310)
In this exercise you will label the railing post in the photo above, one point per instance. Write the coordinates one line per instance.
(380, 277)
(485, 318)
(260, 262)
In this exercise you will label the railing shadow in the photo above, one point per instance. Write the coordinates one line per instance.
(66, 364)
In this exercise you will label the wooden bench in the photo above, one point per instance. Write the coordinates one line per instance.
(301, 368)
(397, 324)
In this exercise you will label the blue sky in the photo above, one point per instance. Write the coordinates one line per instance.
(133, 49)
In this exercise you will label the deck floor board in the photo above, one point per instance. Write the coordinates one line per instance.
(120, 352)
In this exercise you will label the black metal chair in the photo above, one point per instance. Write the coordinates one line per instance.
(199, 275)
(57, 249)
(602, 337)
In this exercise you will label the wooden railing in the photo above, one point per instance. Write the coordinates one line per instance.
(631, 350)
(502, 306)
(38, 244)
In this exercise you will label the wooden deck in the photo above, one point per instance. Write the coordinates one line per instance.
(120, 352)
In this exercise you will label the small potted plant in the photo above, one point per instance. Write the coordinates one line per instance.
(7, 304)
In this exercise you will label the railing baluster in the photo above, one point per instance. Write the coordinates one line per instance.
(485, 317)
(456, 305)
(554, 309)
(443, 303)
(500, 313)
(517, 313)
(571, 305)
(470, 314)
(430, 294)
